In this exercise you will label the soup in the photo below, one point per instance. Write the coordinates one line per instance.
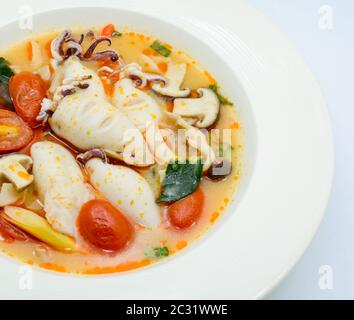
(117, 150)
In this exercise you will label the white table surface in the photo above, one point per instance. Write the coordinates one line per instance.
(330, 55)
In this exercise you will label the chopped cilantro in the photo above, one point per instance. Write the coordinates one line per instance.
(5, 70)
(161, 49)
(161, 252)
(157, 253)
(5, 74)
(222, 99)
(116, 33)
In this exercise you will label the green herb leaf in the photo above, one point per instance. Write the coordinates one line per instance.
(161, 252)
(158, 47)
(181, 180)
(5, 71)
(157, 253)
(221, 98)
(5, 74)
(116, 33)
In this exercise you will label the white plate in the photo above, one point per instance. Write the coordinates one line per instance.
(288, 161)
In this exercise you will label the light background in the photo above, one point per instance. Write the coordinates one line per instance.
(330, 55)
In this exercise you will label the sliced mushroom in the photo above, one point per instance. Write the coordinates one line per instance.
(175, 74)
(8, 194)
(57, 80)
(44, 72)
(197, 140)
(155, 139)
(219, 169)
(30, 199)
(149, 64)
(14, 168)
(201, 112)
(36, 56)
(135, 151)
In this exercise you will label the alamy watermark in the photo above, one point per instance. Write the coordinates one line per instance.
(326, 18)
(25, 20)
(25, 281)
(326, 280)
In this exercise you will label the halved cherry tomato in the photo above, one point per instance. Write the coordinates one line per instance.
(14, 132)
(27, 91)
(108, 30)
(38, 135)
(10, 232)
(186, 212)
(102, 225)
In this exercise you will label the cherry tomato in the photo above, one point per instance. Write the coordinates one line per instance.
(14, 132)
(186, 212)
(27, 91)
(10, 232)
(102, 225)
(108, 30)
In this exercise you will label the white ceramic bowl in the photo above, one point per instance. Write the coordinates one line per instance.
(287, 166)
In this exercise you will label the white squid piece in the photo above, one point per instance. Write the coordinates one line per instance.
(137, 105)
(60, 185)
(87, 120)
(73, 72)
(127, 190)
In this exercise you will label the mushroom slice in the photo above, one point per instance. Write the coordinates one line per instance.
(127, 190)
(204, 109)
(57, 80)
(8, 194)
(14, 168)
(36, 56)
(44, 72)
(192, 143)
(149, 64)
(175, 74)
(136, 151)
(198, 141)
(155, 140)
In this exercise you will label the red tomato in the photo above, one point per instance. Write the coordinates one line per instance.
(14, 133)
(108, 30)
(38, 135)
(186, 212)
(11, 232)
(102, 225)
(27, 91)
